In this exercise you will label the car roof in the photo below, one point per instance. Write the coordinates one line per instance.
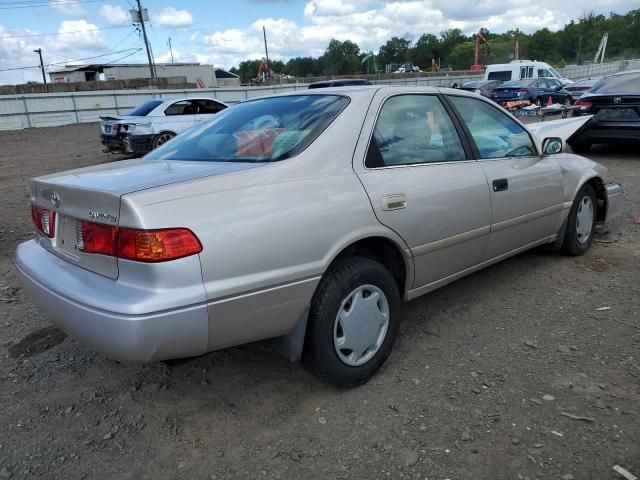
(181, 99)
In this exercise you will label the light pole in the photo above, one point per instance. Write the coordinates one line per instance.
(39, 52)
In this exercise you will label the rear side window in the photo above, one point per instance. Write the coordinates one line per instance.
(495, 134)
(184, 107)
(262, 130)
(629, 83)
(413, 129)
(144, 109)
(502, 75)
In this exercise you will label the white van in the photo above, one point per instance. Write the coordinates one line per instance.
(522, 70)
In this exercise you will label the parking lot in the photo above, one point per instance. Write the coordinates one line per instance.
(528, 369)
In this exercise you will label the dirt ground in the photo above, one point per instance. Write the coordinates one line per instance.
(516, 372)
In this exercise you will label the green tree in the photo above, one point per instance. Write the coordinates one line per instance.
(303, 67)
(340, 58)
(426, 48)
(395, 50)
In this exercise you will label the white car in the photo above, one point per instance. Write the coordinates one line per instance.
(155, 122)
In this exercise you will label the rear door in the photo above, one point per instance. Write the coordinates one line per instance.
(527, 190)
(178, 116)
(423, 184)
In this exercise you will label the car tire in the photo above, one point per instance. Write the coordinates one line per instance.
(581, 222)
(343, 291)
(161, 138)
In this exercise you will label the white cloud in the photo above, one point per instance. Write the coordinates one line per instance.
(72, 8)
(172, 18)
(114, 15)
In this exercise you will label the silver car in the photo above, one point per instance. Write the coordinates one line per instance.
(155, 122)
(305, 218)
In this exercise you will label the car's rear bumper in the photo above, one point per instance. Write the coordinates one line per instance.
(129, 337)
(615, 200)
(128, 143)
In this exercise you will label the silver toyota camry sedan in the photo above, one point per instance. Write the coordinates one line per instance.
(306, 218)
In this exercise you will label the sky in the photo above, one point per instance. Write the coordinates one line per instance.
(225, 32)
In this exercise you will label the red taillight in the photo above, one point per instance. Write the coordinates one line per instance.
(139, 245)
(115, 127)
(157, 245)
(44, 220)
(582, 103)
(96, 238)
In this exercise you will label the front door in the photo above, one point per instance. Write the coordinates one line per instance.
(527, 190)
(423, 184)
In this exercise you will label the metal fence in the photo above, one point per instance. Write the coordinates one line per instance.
(54, 109)
(576, 72)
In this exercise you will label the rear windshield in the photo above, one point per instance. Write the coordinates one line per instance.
(262, 130)
(516, 83)
(626, 83)
(499, 75)
(144, 109)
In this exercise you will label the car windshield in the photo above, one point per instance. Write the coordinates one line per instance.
(262, 130)
(516, 83)
(144, 109)
(626, 83)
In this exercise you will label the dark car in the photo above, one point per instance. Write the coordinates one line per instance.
(535, 90)
(483, 87)
(614, 103)
(340, 83)
(577, 88)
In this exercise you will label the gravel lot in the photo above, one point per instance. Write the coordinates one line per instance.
(515, 372)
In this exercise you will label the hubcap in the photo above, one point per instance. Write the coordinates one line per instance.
(584, 219)
(361, 325)
(164, 138)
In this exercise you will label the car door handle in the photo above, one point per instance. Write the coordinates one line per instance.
(394, 202)
(500, 185)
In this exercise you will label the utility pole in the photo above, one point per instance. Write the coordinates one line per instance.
(39, 52)
(266, 51)
(170, 49)
(146, 40)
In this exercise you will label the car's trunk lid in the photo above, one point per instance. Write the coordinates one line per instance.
(94, 194)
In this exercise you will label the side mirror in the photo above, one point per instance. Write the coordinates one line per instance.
(551, 146)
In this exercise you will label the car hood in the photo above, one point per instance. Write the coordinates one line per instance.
(564, 128)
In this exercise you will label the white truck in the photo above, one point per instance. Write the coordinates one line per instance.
(522, 70)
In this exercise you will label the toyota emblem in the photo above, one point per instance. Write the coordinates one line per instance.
(55, 199)
(617, 100)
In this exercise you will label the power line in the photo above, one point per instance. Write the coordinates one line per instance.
(2, 35)
(19, 5)
(135, 50)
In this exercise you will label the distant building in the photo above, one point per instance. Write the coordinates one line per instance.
(226, 78)
(203, 75)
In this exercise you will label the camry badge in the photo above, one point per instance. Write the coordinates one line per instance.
(55, 199)
(617, 100)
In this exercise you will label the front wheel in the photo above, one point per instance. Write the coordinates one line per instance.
(581, 223)
(353, 321)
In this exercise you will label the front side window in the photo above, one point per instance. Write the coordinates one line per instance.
(542, 83)
(544, 73)
(262, 130)
(495, 134)
(413, 129)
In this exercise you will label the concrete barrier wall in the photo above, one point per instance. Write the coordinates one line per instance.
(63, 108)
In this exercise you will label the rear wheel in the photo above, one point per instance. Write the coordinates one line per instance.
(581, 223)
(162, 138)
(353, 321)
